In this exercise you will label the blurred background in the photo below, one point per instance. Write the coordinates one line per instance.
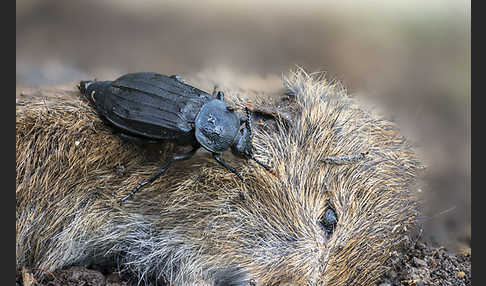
(412, 57)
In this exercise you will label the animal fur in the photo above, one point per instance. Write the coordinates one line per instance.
(200, 225)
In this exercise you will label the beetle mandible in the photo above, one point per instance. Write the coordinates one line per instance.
(150, 106)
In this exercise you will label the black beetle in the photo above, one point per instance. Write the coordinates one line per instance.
(150, 106)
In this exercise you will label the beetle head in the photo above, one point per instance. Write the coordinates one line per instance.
(216, 126)
(242, 146)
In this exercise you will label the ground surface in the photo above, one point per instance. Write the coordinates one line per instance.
(422, 264)
(417, 264)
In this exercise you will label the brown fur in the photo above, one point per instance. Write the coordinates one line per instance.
(198, 224)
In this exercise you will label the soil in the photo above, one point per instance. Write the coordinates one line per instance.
(417, 264)
(422, 264)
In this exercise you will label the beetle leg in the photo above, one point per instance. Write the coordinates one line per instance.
(176, 157)
(260, 163)
(215, 91)
(344, 159)
(227, 166)
(220, 95)
(83, 85)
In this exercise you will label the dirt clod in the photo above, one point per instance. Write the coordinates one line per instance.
(423, 264)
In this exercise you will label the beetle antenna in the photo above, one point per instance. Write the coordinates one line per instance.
(220, 95)
(248, 121)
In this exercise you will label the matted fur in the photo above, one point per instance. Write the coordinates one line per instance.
(198, 224)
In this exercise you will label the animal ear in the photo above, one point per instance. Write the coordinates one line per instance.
(215, 91)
